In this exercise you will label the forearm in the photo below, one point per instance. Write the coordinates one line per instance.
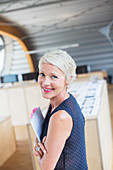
(42, 159)
(43, 165)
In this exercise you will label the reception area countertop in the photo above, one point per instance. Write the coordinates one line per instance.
(4, 117)
(88, 95)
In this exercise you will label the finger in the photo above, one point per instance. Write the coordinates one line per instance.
(42, 147)
(38, 149)
(37, 153)
(40, 152)
(44, 139)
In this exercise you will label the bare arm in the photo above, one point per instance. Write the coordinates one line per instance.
(59, 130)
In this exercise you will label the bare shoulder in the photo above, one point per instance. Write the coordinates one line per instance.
(62, 120)
(61, 115)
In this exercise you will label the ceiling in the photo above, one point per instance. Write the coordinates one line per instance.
(72, 25)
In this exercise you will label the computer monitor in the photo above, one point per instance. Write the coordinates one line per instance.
(30, 76)
(10, 78)
(82, 69)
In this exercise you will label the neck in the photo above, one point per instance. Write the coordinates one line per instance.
(57, 100)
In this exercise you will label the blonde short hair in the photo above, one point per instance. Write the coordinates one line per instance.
(62, 60)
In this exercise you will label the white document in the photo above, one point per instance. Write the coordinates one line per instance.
(37, 121)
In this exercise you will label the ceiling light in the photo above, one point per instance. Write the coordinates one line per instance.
(52, 48)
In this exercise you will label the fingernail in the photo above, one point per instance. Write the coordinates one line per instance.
(44, 151)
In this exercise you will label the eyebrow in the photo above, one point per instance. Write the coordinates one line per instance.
(50, 73)
(53, 73)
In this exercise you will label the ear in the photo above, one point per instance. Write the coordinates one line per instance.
(68, 81)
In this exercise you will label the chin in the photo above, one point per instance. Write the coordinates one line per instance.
(46, 96)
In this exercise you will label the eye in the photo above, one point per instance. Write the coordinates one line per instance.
(54, 77)
(42, 74)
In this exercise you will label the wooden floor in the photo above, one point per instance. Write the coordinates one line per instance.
(21, 159)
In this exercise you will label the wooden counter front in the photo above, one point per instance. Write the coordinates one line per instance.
(7, 139)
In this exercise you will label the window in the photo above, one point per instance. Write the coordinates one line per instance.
(2, 54)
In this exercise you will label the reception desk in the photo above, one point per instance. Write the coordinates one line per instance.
(95, 107)
(7, 139)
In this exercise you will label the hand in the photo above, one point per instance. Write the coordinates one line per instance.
(39, 149)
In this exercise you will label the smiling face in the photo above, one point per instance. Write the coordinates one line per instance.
(52, 81)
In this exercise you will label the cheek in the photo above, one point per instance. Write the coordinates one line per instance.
(61, 84)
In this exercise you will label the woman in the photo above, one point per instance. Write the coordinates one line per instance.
(63, 138)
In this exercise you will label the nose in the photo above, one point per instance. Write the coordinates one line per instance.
(46, 81)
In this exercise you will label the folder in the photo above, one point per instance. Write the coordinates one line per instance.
(37, 121)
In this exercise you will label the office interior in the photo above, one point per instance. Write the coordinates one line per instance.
(30, 28)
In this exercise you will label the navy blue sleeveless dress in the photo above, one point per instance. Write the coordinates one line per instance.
(73, 156)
